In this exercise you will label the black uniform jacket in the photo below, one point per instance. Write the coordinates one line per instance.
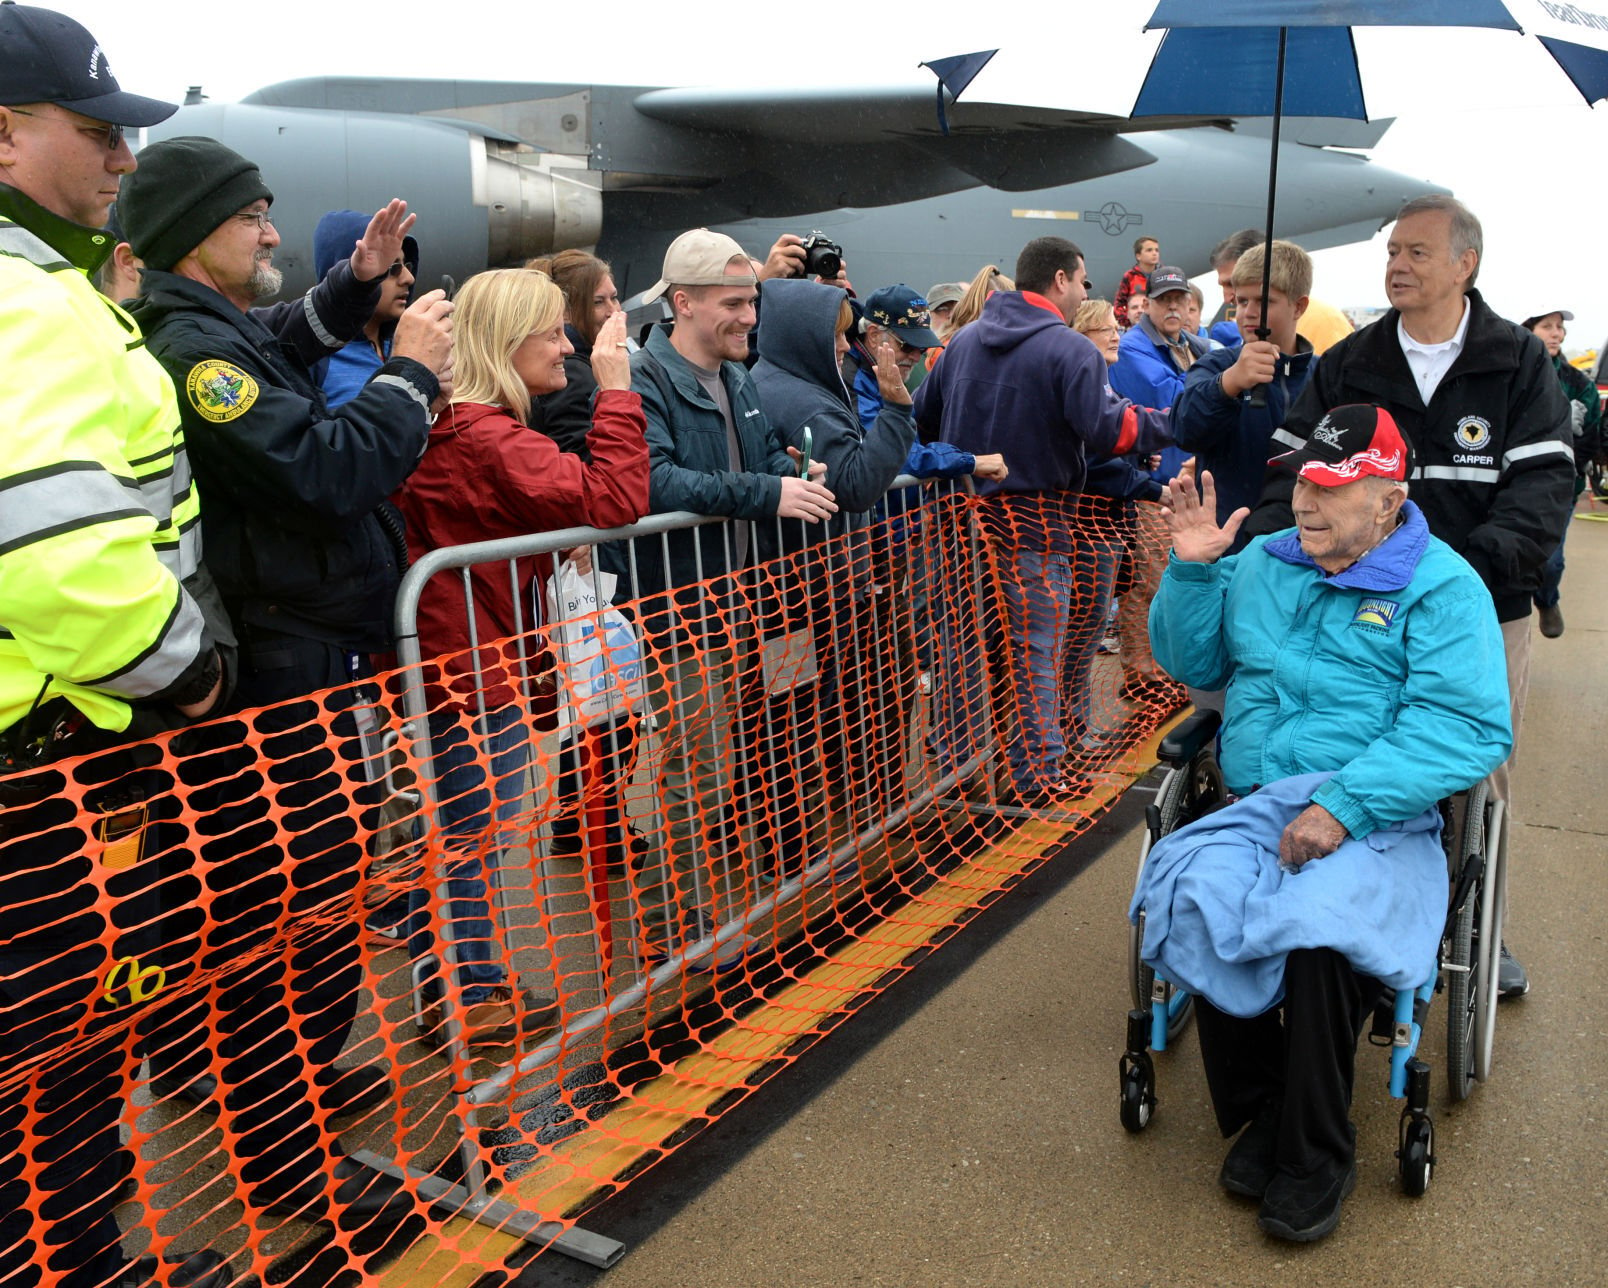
(1494, 460)
(291, 492)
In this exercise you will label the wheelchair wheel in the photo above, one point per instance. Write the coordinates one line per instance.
(1138, 1092)
(1416, 1155)
(1460, 951)
(1184, 795)
(1492, 906)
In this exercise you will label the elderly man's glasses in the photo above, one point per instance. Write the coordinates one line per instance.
(110, 135)
(258, 217)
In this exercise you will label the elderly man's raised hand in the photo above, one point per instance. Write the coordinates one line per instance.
(381, 242)
(1192, 519)
(424, 332)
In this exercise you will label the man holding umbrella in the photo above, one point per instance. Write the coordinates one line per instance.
(1477, 397)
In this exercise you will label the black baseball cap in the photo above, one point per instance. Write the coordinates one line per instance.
(46, 57)
(1164, 279)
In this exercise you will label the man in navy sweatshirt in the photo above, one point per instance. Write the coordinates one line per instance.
(1019, 381)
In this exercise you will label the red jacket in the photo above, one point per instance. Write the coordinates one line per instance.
(1135, 279)
(484, 475)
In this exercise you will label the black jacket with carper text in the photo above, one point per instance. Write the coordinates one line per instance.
(1494, 462)
(292, 529)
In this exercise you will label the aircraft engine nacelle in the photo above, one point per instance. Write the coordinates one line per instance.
(483, 200)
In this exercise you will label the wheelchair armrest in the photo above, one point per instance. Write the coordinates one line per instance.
(1179, 747)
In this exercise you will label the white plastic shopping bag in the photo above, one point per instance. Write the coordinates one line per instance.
(599, 655)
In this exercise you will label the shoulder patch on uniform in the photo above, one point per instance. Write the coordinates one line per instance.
(218, 390)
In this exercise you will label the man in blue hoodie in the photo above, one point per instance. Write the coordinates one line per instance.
(1019, 381)
(349, 368)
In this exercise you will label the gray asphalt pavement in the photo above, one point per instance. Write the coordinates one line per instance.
(963, 1130)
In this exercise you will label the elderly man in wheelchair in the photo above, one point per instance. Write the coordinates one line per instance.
(1365, 682)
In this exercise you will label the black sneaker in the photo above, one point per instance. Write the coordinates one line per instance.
(1250, 1164)
(1305, 1211)
(204, 1269)
(1511, 979)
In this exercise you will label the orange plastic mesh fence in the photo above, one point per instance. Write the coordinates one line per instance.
(221, 961)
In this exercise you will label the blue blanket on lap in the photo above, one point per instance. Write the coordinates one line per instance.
(1221, 914)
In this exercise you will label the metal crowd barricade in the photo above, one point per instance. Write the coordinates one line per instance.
(860, 580)
(195, 970)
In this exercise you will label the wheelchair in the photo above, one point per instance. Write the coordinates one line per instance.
(1474, 834)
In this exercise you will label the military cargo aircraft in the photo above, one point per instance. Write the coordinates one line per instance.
(500, 171)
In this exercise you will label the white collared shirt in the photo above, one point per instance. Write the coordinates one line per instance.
(1430, 362)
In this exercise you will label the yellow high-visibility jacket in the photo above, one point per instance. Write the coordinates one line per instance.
(99, 522)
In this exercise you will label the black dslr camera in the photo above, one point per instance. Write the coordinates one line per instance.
(822, 257)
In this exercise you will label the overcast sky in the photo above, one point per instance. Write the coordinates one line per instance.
(1484, 113)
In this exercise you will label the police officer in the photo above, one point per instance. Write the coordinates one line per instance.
(109, 629)
(307, 555)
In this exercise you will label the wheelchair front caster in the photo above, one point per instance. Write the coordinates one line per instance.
(1417, 1154)
(1138, 1090)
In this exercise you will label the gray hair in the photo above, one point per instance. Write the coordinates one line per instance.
(1466, 231)
(1233, 246)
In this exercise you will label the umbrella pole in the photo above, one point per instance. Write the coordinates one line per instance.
(1263, 331)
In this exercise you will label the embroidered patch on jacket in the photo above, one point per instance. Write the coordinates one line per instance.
(219, 391)
(1378, 613)
(1473, 432)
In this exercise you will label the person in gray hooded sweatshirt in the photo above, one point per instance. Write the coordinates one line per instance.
(800, 383)
(800, 380)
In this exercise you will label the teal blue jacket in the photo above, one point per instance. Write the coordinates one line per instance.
(1391, 674)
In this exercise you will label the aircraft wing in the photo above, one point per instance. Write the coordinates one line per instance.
(748, 153)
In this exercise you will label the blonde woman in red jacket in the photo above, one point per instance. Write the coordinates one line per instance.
(486, 474)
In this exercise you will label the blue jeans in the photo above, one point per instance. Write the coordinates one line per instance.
(466, 808)
(1095, 564)
(1038, 597)
(1546, 594)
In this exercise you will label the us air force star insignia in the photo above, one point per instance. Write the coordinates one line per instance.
(220, 391)
(1473, 432)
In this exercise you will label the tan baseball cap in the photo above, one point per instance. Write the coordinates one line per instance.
(699, 258)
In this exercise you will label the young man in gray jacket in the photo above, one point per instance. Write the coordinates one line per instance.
(711, 451)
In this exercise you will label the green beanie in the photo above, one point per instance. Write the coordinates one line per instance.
(183, 189)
